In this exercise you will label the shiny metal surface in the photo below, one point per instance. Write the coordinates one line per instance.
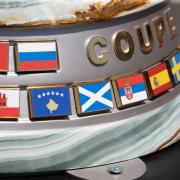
(75, 66)
(74, 63)
(132, 169)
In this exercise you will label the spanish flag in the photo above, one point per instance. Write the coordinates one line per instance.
(159, 79)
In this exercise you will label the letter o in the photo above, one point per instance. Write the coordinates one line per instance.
(123, 55)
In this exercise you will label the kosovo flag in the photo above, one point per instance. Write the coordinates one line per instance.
(175, 67)
(50, 102)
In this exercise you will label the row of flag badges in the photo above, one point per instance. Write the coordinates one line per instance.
(30, 56)
(53, 102)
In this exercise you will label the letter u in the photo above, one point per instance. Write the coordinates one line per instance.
(145, 47)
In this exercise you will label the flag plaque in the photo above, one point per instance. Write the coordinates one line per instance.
(36, 56)
(93, 97)
(9, 103)
(49, 102)
(130, 90)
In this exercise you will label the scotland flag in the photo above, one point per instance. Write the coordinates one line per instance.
(49, 102)
(95, 97)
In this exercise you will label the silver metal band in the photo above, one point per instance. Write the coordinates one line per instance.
(76, 67)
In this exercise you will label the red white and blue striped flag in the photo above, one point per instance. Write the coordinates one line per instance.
(132, 89)
(36, 56)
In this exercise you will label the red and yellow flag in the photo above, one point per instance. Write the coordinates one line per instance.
(159, 79)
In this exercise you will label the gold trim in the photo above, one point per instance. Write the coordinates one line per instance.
(91, 81)
(47, 86)
(116, 94)
(77, 100)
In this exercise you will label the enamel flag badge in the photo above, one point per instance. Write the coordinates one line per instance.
(4, 56)
(9, 103)
(95, 97)
(159, 79)
(36, 56)
(174, 63)
(49, 102)
(130, 90)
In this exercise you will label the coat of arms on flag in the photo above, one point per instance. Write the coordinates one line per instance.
(49, 102)
(94, 97)
(159, 79)
(130, 90)
(36, 56)
(9, 103)
(4, 56)
(174, 63)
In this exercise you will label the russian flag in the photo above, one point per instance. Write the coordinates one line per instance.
(132, 89)
(37, 56)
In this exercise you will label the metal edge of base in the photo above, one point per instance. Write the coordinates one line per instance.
(131, 169)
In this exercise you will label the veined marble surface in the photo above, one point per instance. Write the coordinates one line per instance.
(61, 149)
(34, 12)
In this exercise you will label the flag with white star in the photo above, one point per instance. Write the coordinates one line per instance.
(50, 102)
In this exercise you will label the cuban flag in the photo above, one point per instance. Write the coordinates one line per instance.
(132, 89)
(175, 67)
(50, 102)
(9, 103)
(95, 97)
(36, 56)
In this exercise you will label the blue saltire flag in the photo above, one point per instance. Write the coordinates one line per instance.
(49, 102)
(175, 67)
(95, 97)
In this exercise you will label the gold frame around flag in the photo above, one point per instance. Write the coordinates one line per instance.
(77, 98)
(166, 60)
(10, 118)
(16, 58)
(30, 103)
(148, 82)
(118, 100)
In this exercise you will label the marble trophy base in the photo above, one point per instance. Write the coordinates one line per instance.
(89, 141)
(88, 146)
